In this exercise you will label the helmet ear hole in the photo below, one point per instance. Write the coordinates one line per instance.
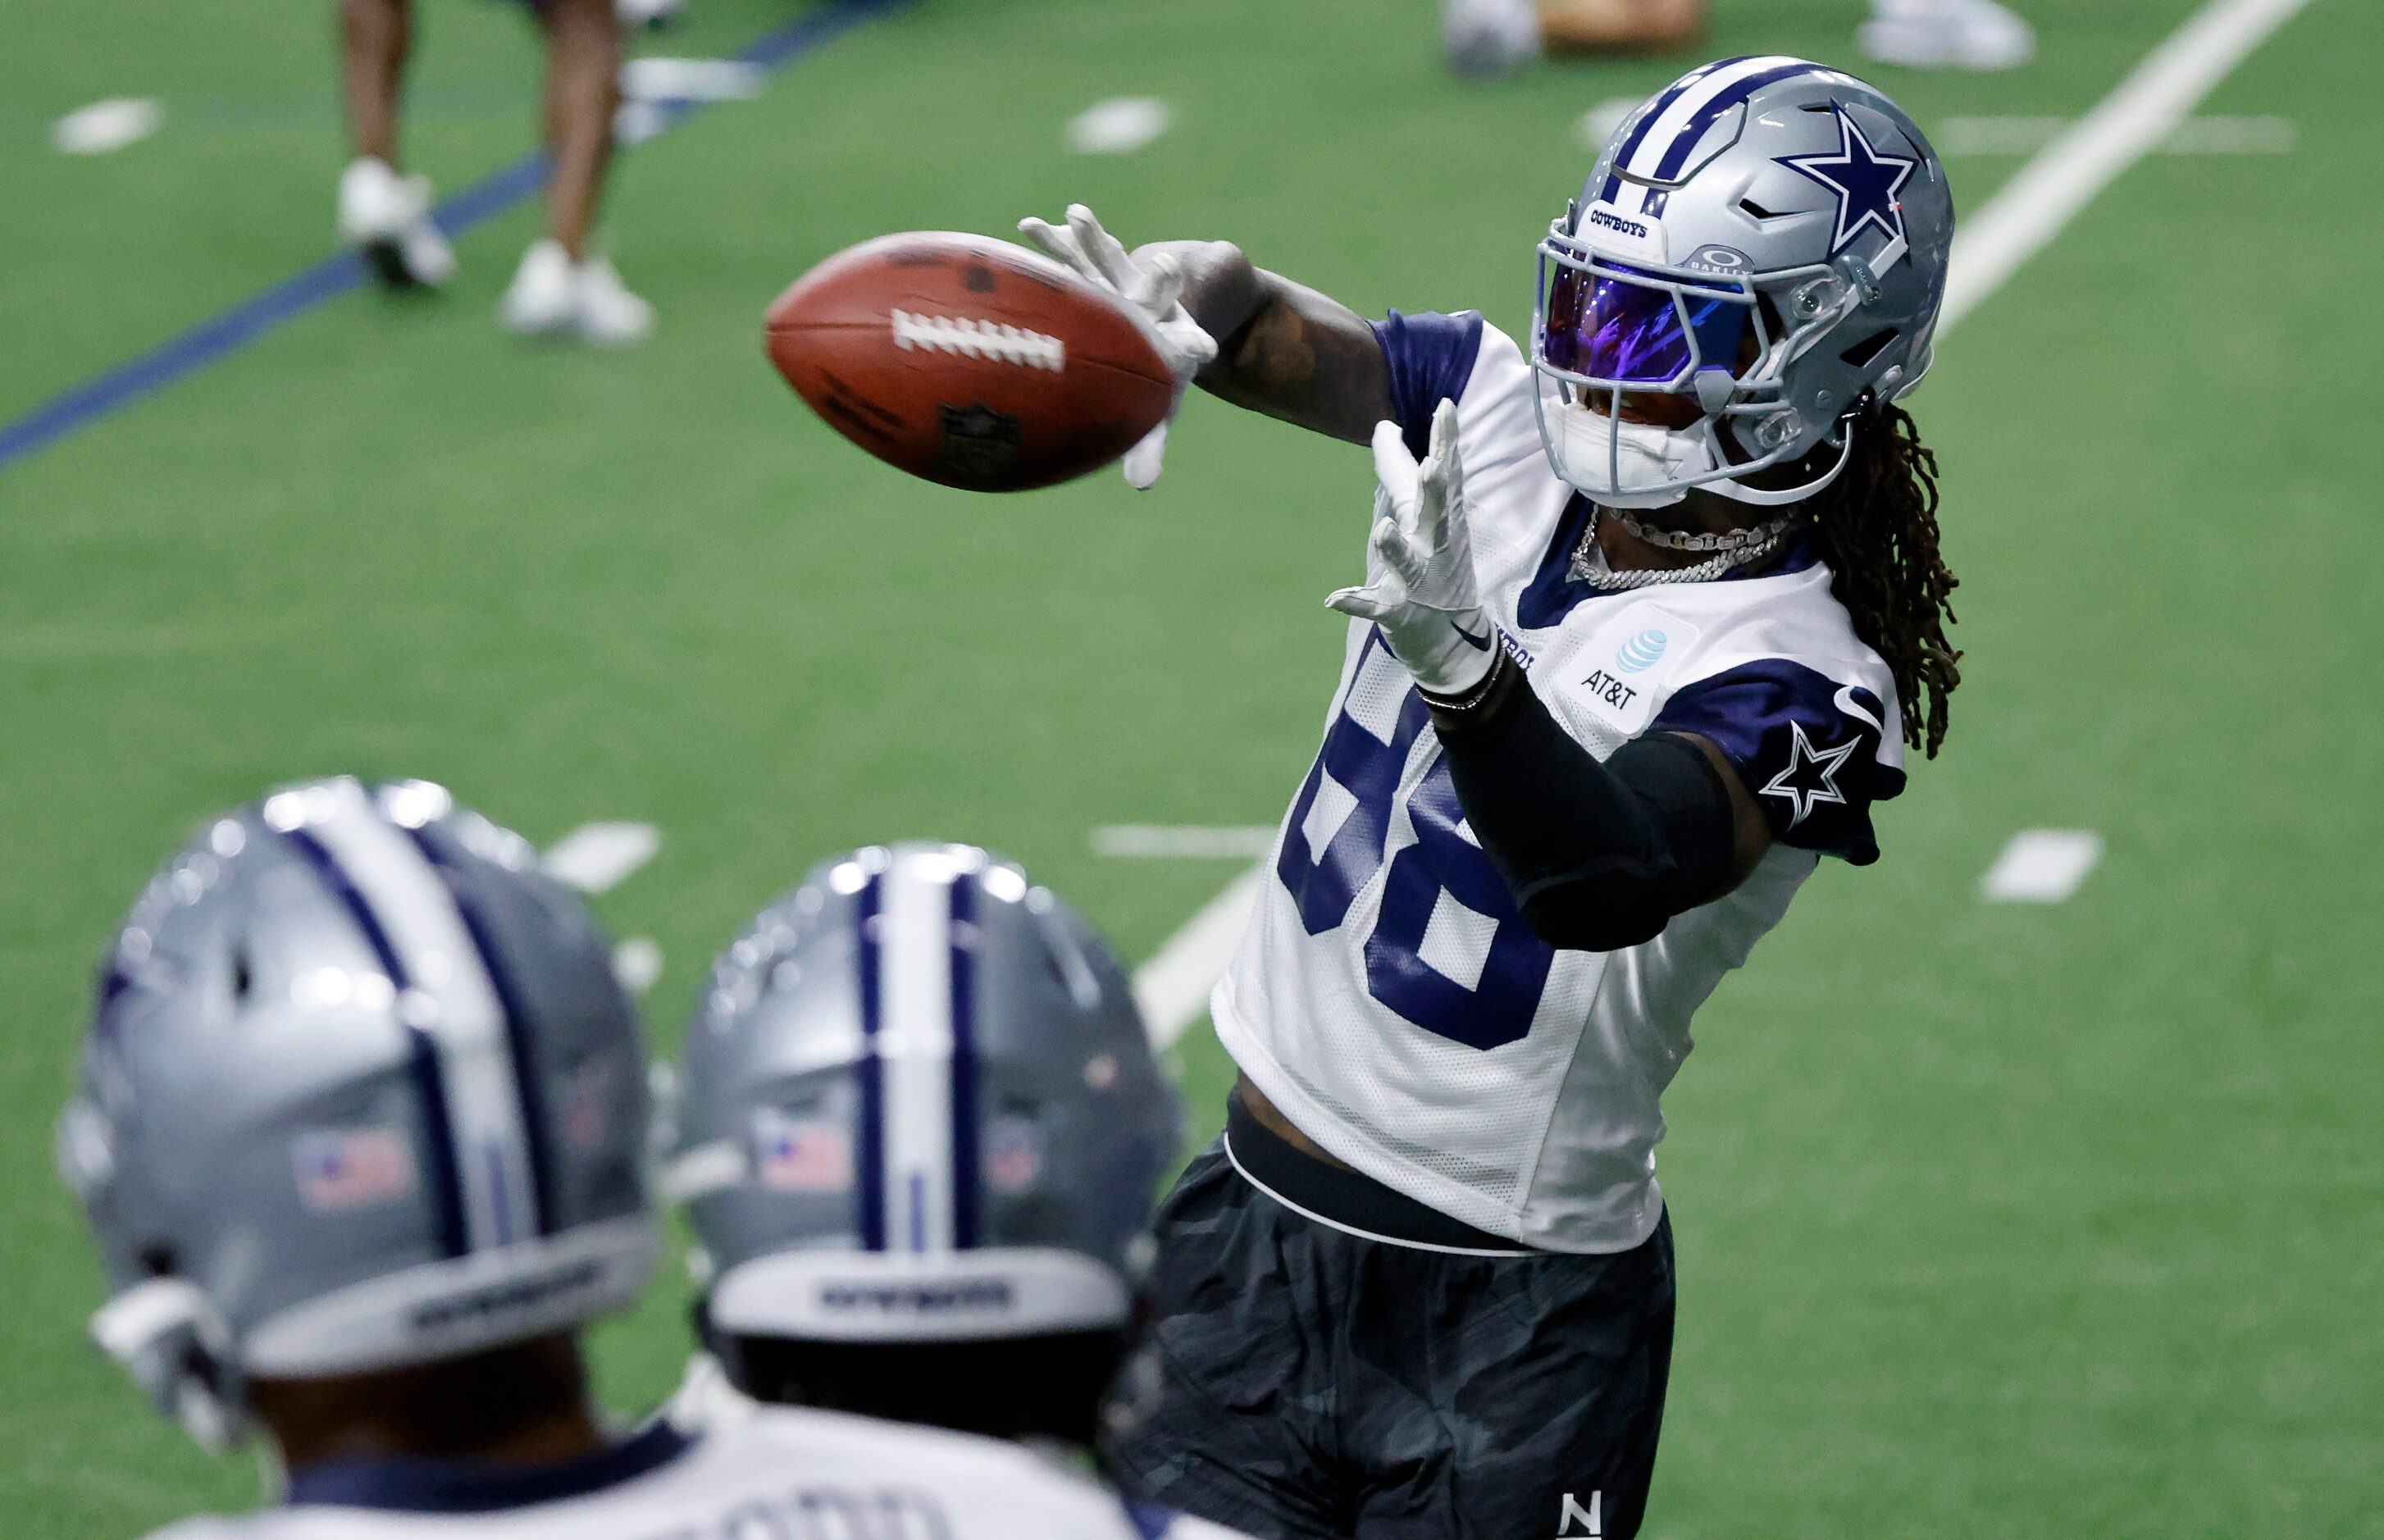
(242, 980)
(1862, 353)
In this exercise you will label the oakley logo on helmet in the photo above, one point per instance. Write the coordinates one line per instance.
(1720, 259)
(1867, 184)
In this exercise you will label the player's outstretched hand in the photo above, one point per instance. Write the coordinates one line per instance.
(1420, 586)
(1153, 293)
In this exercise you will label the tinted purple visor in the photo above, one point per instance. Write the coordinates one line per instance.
(1609, 328)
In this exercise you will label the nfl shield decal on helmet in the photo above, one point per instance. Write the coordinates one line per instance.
(1013, 1156)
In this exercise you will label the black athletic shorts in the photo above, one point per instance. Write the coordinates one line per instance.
(1297, 1380)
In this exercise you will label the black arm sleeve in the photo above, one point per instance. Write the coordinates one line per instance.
(1596, 856)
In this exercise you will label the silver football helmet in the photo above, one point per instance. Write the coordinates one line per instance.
(917, 1104)
(360, 1091)
(1764, 237)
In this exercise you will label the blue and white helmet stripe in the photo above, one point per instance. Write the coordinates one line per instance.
(869, 1072)
(445, 996)
(961, 955)
(1658, 148)
(918, 1150)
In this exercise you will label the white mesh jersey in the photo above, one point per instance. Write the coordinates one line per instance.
(764, 1473)
(1388, 997)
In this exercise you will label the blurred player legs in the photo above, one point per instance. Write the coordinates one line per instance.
(382, 213)
(1946, 34)
(562, 288)
(1489, 37)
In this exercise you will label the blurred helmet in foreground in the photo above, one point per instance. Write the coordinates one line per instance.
(360, 1091)
(917, 1105)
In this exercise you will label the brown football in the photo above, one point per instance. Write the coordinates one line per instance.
(968, 361)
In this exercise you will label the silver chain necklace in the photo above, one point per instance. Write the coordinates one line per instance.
(1732, 549)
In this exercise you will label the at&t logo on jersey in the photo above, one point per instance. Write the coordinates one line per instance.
(1603, 687)
(1621, 670)
(1640, 653)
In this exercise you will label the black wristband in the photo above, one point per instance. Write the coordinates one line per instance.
(1458, 713)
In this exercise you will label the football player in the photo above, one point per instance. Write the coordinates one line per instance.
(918, 1125)
(564, 287)
(1652, 610)
(359, 1129)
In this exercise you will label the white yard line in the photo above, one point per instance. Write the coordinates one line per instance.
(1173, 988)
(2146, 109)
(1119, 126)
(1593, 128)
(1175, 839)
(2042, 867)
(2196, 136)
(105, 126)
(597, 858)
(668, 80)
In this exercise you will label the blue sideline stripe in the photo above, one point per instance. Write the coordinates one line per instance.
(80, 406)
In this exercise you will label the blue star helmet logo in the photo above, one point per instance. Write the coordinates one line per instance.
(1868, 185)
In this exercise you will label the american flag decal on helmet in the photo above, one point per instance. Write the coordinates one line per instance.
(800, 1154)
(350, 1168)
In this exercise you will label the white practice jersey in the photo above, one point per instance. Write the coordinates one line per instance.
(764, 1473)
(1389, 997)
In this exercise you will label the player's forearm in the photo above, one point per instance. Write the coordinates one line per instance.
(1282, 348)
(1596, 856)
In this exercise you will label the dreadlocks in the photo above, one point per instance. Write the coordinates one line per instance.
(1877, 526)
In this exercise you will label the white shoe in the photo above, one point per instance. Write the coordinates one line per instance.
(1489, 37)
(652, 14)
(387, 219)
(610, 317)
(1946, 34)
(550, 295)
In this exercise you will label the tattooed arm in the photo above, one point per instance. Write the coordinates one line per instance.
(1282, 348)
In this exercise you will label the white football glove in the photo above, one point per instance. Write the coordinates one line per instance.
(1152, 293)
(1420, 586)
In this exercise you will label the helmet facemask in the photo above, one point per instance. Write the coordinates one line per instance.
(1605, 331)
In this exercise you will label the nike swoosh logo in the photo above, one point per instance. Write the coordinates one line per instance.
(1846, 702)
(1480, 643)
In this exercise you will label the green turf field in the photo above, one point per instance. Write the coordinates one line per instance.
(1991, 1221)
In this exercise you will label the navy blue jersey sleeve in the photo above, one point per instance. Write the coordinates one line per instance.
(1805, 745)
(1431, 358)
